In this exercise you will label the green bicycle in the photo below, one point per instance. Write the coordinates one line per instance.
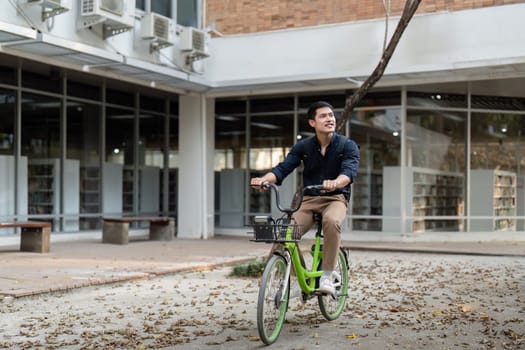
(274, 290)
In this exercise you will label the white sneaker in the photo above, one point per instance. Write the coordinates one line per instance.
(326, 285)
(336, 279)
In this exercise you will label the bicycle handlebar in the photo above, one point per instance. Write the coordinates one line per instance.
(290, 210)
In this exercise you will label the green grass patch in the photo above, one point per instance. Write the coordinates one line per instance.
(250, 269)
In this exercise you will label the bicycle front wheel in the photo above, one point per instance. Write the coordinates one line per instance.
(272, 302)
(332, 305)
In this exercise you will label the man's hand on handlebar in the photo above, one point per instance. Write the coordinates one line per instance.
(340, 182)
(330, 185)
(259, 183)
(256, 181)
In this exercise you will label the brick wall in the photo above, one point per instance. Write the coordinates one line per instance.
(249, 16)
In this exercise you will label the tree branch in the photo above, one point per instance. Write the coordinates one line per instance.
(408, 12)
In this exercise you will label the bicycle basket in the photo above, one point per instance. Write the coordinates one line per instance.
(266, 229)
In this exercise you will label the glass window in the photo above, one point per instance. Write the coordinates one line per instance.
(83, 146)
(497, 155)
(436, 140)
(8, 70)
(230, 162)
(436, 99)
(305, 130)
(271, 138)
(120, 154)
(498, 94)
(40, 126)
(498, 141)
(7, 121)
(7, 159)
(498, 102)
(188, 13)
(174, 134)
(173, 170)
(45, 78)
(151, 161)
(338, 100)
(377, 132)
(41, 145)
(230, 107)
(384, 98)
(230, 134)
(271, 105)
(335, 99)
(120, 97)
(82, 90)
(162, 7)
(148, 103)
(436, 146)
(496, 176)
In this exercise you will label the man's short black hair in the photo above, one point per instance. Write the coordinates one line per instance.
(312, 110)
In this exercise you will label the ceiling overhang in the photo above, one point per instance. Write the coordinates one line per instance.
(11, 34)
(53, 50)
(458, 72)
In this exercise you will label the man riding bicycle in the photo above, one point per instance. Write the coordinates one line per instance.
(329, 159)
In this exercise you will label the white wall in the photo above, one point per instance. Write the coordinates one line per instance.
(435, 42)
(432, 42)
(196, 145)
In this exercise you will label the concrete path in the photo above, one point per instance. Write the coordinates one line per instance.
(86, 262)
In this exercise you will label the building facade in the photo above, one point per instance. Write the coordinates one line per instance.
(123, 107)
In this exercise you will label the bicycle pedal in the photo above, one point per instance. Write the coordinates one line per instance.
(318, 292)
(334, 296)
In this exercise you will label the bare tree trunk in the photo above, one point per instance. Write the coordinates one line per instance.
(408, 12)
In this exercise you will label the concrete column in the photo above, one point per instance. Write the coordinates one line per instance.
(196, 152)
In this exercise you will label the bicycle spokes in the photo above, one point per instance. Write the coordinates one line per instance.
(279, 296)
(332, 305)
(273, 299)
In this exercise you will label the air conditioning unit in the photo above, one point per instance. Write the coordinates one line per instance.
(158, 28)
(51, 8)
(195, 41)
(117, 16)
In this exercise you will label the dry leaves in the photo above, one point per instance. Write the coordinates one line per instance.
(451, 302)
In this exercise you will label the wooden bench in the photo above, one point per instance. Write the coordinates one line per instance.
(116, 230)
(34, 237)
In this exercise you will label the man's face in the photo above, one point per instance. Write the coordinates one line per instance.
(324, 121)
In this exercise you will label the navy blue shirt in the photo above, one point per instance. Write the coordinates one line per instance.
(318, 167)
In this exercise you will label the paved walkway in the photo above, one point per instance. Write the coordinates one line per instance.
(85, 262)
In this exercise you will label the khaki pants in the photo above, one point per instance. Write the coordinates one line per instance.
(333, 209)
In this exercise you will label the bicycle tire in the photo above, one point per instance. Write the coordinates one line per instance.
(271, 308)
(332, 306)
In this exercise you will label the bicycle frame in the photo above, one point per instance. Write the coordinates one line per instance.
(305, 278)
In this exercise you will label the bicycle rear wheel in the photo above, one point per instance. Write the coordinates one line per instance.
(332, 306)
(272, 302)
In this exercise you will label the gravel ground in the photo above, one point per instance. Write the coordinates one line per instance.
(396, 301)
